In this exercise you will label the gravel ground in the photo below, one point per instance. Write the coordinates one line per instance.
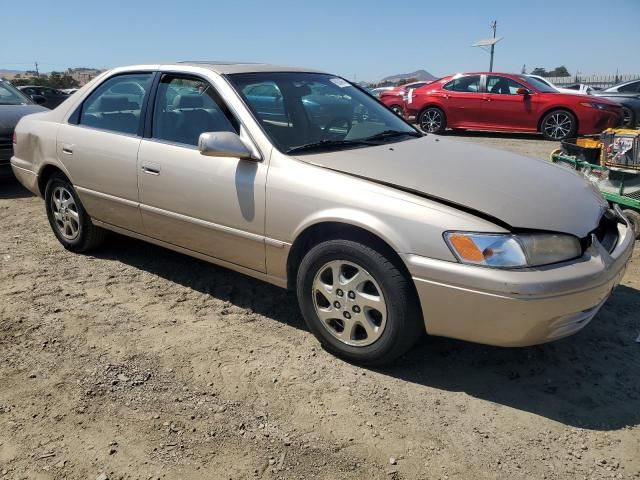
(136, 362)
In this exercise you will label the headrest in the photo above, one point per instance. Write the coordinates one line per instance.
(188, 101)
(116, 103)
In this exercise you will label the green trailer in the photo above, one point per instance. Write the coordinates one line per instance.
(612, 162)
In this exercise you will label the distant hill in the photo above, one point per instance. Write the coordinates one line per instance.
(9, 72)
(418, 74)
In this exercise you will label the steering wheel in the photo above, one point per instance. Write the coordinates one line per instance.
(340, 121)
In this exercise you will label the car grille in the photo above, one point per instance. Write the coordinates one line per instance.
(634, 195)
(6, 149)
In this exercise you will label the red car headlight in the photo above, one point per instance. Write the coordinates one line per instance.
(600, 106)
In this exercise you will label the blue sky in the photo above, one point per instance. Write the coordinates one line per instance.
(349, 38)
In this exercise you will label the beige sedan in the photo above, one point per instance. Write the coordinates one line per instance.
(301, 179)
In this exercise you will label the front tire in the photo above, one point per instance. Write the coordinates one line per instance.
(558, 125)
(634, 218)
(358, 303)
(68, 219)
(432, 120)
(628, 118)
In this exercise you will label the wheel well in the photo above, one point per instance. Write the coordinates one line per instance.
(45, 175)
(321, 232)
(553, 109)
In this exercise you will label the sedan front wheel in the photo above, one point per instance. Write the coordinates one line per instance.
(358, 302)
(558, 125)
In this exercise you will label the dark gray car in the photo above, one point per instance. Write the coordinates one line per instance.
(628, 95)
(46, 96)
(13, 106)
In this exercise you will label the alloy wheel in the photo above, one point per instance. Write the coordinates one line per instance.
(349, 303)
(431, 121)
(558, 125)
(65, 213)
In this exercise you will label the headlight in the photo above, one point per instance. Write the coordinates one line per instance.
(512, 251)
(599, 106)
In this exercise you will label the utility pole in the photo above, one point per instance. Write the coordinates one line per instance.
(494, 26)
(37, 72)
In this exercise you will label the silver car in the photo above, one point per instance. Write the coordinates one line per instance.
(301, 179)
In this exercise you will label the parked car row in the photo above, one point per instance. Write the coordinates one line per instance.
(52, 96)
(300, 178)
(507, 102)
(13, 105)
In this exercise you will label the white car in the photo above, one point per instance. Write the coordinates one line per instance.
(581, 90)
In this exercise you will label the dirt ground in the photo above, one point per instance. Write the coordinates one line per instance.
(136, 363)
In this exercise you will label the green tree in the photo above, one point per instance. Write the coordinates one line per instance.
(539, 71)
(560, 71)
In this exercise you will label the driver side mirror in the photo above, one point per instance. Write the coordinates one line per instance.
(39, 99)
(226, 144)
(523, 91)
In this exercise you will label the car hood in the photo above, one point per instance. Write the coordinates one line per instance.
(521, 192)
(616, 94)
(10, 114)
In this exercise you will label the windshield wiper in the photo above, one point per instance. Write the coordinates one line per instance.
(328, 144)
(391, 133)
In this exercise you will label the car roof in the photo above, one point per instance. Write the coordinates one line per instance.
(622, 84)
(224, 68)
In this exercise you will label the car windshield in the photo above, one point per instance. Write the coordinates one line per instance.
(10, 95)
(538, 84)
(307, 112)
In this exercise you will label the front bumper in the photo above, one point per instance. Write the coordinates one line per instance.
(595, 121)
(518, 308)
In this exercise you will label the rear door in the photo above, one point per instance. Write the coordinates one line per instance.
(99, 147)
(210, 205)
(504, 108)
(463, 101)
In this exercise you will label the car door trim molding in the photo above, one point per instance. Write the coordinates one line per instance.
(214, 226)
(106, 196)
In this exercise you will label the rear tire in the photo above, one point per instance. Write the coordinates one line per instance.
(70, 222)
(358, 303)
(558, 125)
(432, 120)
(634, 218)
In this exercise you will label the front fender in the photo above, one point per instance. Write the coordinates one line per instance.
(356, 218)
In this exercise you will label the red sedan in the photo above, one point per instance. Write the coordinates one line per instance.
(395, 97)
(500, 101)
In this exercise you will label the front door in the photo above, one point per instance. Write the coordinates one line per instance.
(505, 108)
(99, 146)
(210, 205)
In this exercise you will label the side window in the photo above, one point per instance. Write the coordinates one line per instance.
(630, 88)
(502, 85)
(116, 104)
(186, 107)
(468, 84)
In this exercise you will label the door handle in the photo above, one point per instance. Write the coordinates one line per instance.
(151, 169)
(67, 150)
